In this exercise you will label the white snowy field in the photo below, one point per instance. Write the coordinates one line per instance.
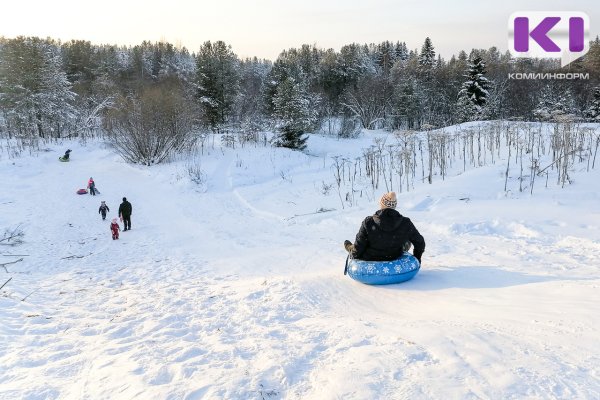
(235, 289)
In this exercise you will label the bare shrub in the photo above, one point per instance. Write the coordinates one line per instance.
(325, 188)
(531, 150)
(228, 140)
(155, 123)
(12, 236)
(195, 172)
(368, 102)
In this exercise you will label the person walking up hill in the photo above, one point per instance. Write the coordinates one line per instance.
(125, 211)
(103, 209)
(114, 229)
(92, 186)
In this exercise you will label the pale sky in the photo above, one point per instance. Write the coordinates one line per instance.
(264, 28)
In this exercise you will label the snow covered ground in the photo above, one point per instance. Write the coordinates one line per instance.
(235, 289)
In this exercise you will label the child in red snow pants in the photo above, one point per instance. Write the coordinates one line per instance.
(115, 228)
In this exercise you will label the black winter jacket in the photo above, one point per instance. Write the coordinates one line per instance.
(382, 236)
(125, 209)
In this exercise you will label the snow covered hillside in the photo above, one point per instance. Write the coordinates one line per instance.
(234, 288)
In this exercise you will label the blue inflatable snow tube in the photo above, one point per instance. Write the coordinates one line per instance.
(384, 272)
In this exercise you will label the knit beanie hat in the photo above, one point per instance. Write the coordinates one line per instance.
(388, 200)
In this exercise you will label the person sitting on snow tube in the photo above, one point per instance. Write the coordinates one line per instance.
(386, 235)
(66, 156)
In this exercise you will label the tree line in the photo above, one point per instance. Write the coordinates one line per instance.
(154, 98)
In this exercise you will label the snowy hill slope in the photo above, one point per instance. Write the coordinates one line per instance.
(234, 289)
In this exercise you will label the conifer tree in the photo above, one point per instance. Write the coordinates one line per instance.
(593, 111)
(35, 93)
(295, 114)
(218, 82)
(427, 59)
(473, 95)
(553, 103)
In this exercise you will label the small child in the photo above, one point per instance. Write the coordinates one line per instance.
(115, 228)
(103, 209)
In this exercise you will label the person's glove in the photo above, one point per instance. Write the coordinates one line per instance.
(418, 255)
(348, 245)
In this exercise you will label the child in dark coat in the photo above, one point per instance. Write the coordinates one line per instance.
(103, 209)
(115, 228)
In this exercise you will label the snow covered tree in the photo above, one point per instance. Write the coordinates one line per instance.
(408, 104)
(591, 60)
(427, 59)
(368, 101)
(385, 56)
(332, 81)
(401, 51)
(79, 64)
(141, 66)
(355, 62)
(285, 67)
(545, 106)
(427, 71)
(473, 95)
(248, 107)
(182, 65)
(340, 73)
(553, 104)
(593, 111)
(295, 113)
(218, 82)
(35, 93)
(466, 110)
(303, 64)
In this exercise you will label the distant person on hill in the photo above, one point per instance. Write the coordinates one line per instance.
(114, 229)
(92, 186)
(125, 211)
(103, 209)
(386, 235)
(66, 156)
